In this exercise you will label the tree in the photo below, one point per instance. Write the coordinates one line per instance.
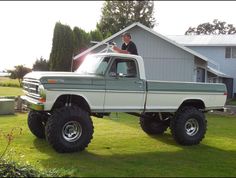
(19, 72)
(96, 35)
(41, 65)
(62, 48)
(117, 15)
(81, 40)
(216, 28)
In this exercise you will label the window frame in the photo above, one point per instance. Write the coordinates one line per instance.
(233, 52)
(230, 52)
(122, 58)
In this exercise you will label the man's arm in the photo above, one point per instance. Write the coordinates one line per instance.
(116, 49)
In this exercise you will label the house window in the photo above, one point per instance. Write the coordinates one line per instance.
(230, 52)
(233, 52)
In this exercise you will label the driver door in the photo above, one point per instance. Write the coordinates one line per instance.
(125, 91)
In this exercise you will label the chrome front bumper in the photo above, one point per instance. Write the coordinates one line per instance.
(32, 104)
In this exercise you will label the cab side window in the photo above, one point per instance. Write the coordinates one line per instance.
(123, 68)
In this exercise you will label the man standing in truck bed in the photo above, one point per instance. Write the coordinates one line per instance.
(128, 47)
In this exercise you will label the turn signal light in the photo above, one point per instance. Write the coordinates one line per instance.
(52, 81)
(42, 100)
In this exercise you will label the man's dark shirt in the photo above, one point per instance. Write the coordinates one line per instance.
(131, 48)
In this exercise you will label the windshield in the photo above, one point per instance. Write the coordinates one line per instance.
(93, 65)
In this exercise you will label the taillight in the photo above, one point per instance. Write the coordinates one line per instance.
(225, 93)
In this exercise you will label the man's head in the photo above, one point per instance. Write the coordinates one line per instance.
(126, 37)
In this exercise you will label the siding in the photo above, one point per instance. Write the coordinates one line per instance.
(217, 54)
(162, 60)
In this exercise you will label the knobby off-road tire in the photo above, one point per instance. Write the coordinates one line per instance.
(189, 126)
(69, 129)
(36, 123)
(152, 125)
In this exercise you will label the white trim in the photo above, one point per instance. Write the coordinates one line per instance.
(124, 91)
(205, 40)
(138, 59)
(185, 93)
(217, 73)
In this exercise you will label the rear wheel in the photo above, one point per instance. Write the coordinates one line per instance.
(69, 129)
(189, 126)
(36, 123)
(152, 125)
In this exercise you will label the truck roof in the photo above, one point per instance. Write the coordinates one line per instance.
(117, 54)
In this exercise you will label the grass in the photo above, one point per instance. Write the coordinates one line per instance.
(231, 102)
(10, 91)
(121, 148)
(7, 82)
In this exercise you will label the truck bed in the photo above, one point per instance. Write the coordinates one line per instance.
(168, 96)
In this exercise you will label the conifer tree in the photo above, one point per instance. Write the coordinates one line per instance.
(62, 48)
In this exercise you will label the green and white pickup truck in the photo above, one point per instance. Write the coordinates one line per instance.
(61, 103)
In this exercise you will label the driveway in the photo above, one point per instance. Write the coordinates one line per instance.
(231, 109)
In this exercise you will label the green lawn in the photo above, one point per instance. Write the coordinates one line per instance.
(121, 148)
(10, 91)
(6, 81)
(231, 102)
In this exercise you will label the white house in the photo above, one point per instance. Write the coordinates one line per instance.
(164, 59)
(221, 49)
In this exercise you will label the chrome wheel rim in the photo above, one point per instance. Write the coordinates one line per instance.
(72, 131)
(191, 127)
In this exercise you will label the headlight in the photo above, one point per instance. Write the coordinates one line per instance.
(41, 91)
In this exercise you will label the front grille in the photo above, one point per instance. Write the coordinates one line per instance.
(30, 86)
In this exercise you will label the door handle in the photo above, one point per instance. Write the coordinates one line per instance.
(139, 82)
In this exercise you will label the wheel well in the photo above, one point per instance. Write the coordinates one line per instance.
(64, 100)
(199, 104)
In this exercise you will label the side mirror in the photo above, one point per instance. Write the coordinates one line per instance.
(120, 75)
(116, 75)
(112, 74)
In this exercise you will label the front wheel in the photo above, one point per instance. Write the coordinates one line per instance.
(189, 126)
(36, 123)
(69, 129)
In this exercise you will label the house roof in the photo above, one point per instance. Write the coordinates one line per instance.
(147, 29)
(204, 40)
(217, 72)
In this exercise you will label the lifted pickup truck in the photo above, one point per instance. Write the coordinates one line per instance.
(61, 103)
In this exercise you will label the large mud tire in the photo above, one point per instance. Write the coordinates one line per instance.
(152, 125)
(69, 129)
(36, 123)
(189, 126)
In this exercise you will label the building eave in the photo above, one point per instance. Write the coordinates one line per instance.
(217, 72)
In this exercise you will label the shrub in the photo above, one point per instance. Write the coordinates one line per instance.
(9, 84)
(12, 169)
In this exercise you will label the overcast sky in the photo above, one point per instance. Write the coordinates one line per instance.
(27, 27)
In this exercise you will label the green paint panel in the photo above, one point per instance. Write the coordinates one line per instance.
(185, 87)
(78, 82)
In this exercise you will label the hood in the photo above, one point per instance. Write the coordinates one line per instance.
(61, 77)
